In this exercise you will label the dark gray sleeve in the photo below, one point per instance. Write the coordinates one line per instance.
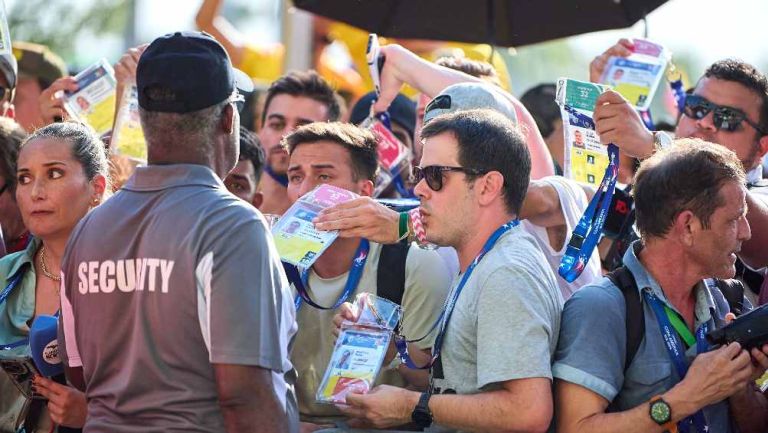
(240, 295)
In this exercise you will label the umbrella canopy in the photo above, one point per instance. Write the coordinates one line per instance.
(496, 22)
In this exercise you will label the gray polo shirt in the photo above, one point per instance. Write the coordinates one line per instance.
(592, 346)
(169, 276)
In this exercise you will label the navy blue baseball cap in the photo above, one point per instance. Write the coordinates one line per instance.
(187, 71)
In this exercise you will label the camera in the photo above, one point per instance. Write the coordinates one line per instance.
(749, 330)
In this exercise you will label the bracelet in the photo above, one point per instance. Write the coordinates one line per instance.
(403, 231)
(418, 228)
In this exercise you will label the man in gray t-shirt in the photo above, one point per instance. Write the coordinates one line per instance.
(174, 302)
(503, 313)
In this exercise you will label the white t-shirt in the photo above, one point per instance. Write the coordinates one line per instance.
(573, 202)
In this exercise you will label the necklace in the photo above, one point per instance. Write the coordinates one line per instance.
(44, 267)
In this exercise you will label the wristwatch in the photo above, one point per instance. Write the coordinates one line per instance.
(661, 140)
(661, 414)
(421, 415)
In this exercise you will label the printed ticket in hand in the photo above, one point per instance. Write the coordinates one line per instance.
(128, 137)
(638, 76)
(94, 101)
(360, 349)
(585, 158)
(296, 238)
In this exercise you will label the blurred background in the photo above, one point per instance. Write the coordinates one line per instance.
(697, 32)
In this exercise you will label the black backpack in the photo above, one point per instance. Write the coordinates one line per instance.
(732, 290)
(390, 278)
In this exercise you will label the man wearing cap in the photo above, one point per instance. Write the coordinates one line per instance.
(39, 67)
(176, 314)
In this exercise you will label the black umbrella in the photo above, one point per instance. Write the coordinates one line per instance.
(496, 22)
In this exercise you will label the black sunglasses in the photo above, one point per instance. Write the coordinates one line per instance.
(725, 118)
(433, 174)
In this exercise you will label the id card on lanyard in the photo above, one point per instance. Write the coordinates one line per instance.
(673, 329)
(450, 303)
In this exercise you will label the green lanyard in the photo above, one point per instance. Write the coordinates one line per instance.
(680, 327)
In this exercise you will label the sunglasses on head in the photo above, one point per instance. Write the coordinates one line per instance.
(433, 174)
(724, 118)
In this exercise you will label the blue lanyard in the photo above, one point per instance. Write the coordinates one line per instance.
(587, 232)
(445, 316)
(361, 256)
(678, 93)
(15, 280)
(677, 355)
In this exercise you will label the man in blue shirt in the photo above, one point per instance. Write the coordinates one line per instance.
(690, 232)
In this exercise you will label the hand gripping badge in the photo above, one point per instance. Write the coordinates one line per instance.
(360, 349)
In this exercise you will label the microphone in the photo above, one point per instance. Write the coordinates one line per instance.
(44, 346)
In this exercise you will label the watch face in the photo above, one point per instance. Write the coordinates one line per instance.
(660, 412)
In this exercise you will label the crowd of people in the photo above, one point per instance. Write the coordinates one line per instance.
(174, 311)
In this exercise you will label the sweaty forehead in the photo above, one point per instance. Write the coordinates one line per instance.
(731, 94)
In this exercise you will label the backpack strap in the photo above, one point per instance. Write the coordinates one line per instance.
(390, 278)
(733, 292)
(635, 324)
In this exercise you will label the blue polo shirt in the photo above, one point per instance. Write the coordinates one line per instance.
(591, 350)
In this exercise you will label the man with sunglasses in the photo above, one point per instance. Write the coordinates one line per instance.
(551, 208)
(490, 367)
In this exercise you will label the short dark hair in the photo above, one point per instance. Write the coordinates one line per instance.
(475, 68)
(11, 137)
(87, 147)
(748, 76)
(540, 102)
(308, 84)
(251, 150)
(360, 142)
(489, 141)
(687, 176)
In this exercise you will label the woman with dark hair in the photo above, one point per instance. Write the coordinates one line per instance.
(61, 174)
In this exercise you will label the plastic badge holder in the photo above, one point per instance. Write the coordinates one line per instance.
(94, 101)
(585, 158)
(128, 137)
(394, 156)
(638, 76)
(359, 350)
(296, 238)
